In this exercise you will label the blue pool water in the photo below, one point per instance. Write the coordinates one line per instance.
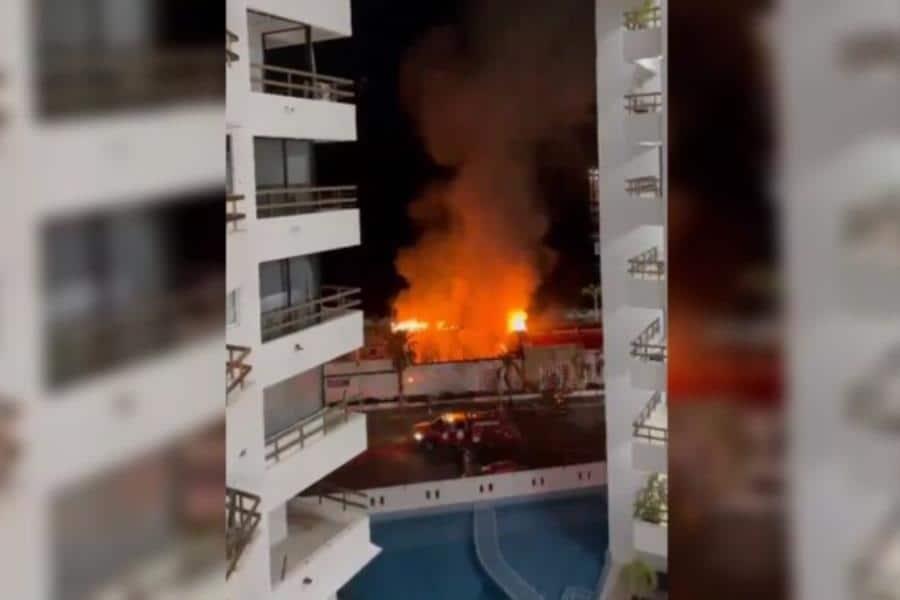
(553, 543)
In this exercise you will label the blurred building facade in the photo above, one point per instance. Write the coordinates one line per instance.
(631, 193)
(112, 298)
(287, 535)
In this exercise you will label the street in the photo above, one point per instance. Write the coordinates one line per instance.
(551, 437)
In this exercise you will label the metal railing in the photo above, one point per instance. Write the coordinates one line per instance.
(286, 201)
(284, 321)
(321, 422)
(232, 214)
(643, 102)
(337, 495)
(647, 184)
(643, 347)
(116, 78)
(651, 433)
(236, 370)
(647, 265)
(230, 55)
(343, 497)
(147, 324)
(242, 516)
(652, 502)
(643, 18)
(300, 84)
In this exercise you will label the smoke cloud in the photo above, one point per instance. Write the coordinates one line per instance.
(484, 94)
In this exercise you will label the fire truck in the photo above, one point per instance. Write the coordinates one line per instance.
(466, 429)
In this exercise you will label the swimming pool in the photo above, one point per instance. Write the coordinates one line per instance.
(553, 543)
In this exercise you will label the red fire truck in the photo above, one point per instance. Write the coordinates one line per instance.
(462, 429)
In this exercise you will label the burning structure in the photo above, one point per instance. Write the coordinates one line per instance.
(483, 100)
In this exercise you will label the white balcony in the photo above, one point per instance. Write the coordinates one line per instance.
(651, 518)
(300, 337)
(112, 418)
(646, 283)
(643, 34)
(124, 159)
(870, 254)
(651, 539)
(644, 120)
(326, 543)
(297, 221)
(644, 203)
(648, 358)
(331, 19)
(310, 449)
(875, 574)
(650, 437)
(289, 103)
(236, 240)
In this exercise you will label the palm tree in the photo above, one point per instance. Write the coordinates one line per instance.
(596, 293)
(509, 364)
(400, 349)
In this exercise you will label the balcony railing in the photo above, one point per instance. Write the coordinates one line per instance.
(148, 324)
(350, 501)
(875, 574)
(639, 186)
(89, 80)
(643, 102)
(242, 516)
(643, 429)
(236, 370)
(230, 55)
(283, 321)
(643, 18)
(652, 502)
(647, 265)
(300, 84)
(643, 346)
(287, 201)
(298, 435)
(233, 215)
(343, 497)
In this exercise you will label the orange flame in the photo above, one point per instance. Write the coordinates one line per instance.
(517, 321)
(410, 325)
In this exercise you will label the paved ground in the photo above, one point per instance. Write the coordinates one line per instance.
(576, 434)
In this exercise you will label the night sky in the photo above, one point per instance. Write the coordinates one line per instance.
(391, 167)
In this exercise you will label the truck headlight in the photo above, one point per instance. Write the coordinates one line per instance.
(418, 436)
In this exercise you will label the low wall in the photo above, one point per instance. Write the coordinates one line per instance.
(469, 490)
(547, 368)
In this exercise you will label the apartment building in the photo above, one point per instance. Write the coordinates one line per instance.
(631, 186)
(111, 296)
(288, 536)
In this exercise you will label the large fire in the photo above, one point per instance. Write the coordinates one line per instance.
(440, 340)
(517, 321)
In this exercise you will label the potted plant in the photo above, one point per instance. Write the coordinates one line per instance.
(639, 579)
(651, 504)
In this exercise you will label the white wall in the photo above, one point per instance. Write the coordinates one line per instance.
(466, 490)
(290, 400)
(330, 15)
(286, 356)
(271, 115)
(624, 233)
(312, 233)
(298, 470)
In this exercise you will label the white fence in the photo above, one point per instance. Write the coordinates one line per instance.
(468, 490)
(377, 378)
